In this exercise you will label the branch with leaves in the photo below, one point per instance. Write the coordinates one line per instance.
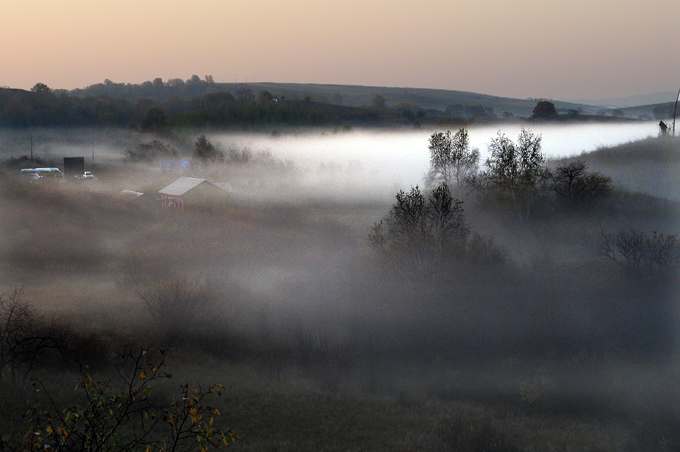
(121, 416)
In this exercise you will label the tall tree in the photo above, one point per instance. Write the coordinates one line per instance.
(515, 171)
(544, 109)
(422, 231)
(452, 159)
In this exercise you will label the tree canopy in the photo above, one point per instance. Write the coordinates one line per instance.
(452, 159)
(422, 230)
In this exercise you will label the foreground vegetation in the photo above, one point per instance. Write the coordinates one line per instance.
(494, 310)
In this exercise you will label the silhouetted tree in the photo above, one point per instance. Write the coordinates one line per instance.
(41, 88)
(452, 159)
(574, 183)
(422, 230)
(544, 110)
(27, 339)
(178, 304)
(204, 150)
(378, 102)
(635, 250)
(264, 97)
(147, 152)
(515, 172)
(246, 94)
(194, 80)
(155, 119)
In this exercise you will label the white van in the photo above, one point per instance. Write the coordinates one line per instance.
(34, 174)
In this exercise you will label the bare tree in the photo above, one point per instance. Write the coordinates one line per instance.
(27, 339)
(574, 183)
(177, 304)
(635, 250)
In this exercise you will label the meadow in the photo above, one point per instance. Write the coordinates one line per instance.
(537, 340)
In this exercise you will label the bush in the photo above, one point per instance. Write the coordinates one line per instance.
(178, 304)
(121, 416)
(636, 250)
(148, 152)
(205, 151)
(574, 184)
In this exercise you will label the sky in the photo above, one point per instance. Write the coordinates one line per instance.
(557, 49)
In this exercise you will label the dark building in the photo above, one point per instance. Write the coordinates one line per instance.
(74, 166)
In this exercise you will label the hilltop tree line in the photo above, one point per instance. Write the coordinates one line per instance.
(152, 106)
(200, 102)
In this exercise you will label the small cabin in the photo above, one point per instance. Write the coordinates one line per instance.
(191, 192)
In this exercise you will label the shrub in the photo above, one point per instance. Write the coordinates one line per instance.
(121, 416)
(574, 184)
(205, 151)
(177, 304)
(148, 152)
(636, 250)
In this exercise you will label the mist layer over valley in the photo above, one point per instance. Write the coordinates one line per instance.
(537, 329)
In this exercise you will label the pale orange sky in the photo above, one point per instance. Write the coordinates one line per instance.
(516, 48)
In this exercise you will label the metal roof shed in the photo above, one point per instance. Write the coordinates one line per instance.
(199, 192)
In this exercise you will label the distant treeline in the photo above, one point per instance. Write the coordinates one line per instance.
(200, 102)
(153, 106)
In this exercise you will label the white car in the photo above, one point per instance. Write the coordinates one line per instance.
(85, 176)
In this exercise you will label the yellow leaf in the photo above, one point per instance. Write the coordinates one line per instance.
(148, 448)
(143, 375)
(49, 430)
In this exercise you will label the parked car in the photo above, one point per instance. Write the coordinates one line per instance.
(87, 175)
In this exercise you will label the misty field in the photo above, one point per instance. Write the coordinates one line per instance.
(551, 325)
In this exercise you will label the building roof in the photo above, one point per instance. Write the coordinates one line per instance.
(181, 186)
(131, 193)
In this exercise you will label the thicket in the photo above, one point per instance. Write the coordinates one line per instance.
(426, 237)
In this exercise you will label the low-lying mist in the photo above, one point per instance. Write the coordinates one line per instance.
(278, 272)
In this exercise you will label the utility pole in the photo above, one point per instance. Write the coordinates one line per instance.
(31, 136)
(675, 110)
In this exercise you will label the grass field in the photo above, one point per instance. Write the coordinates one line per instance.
(321, 346)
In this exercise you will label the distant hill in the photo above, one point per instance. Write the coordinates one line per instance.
(631, 101)
(156, 105)
(428, 99)
(646, 166)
